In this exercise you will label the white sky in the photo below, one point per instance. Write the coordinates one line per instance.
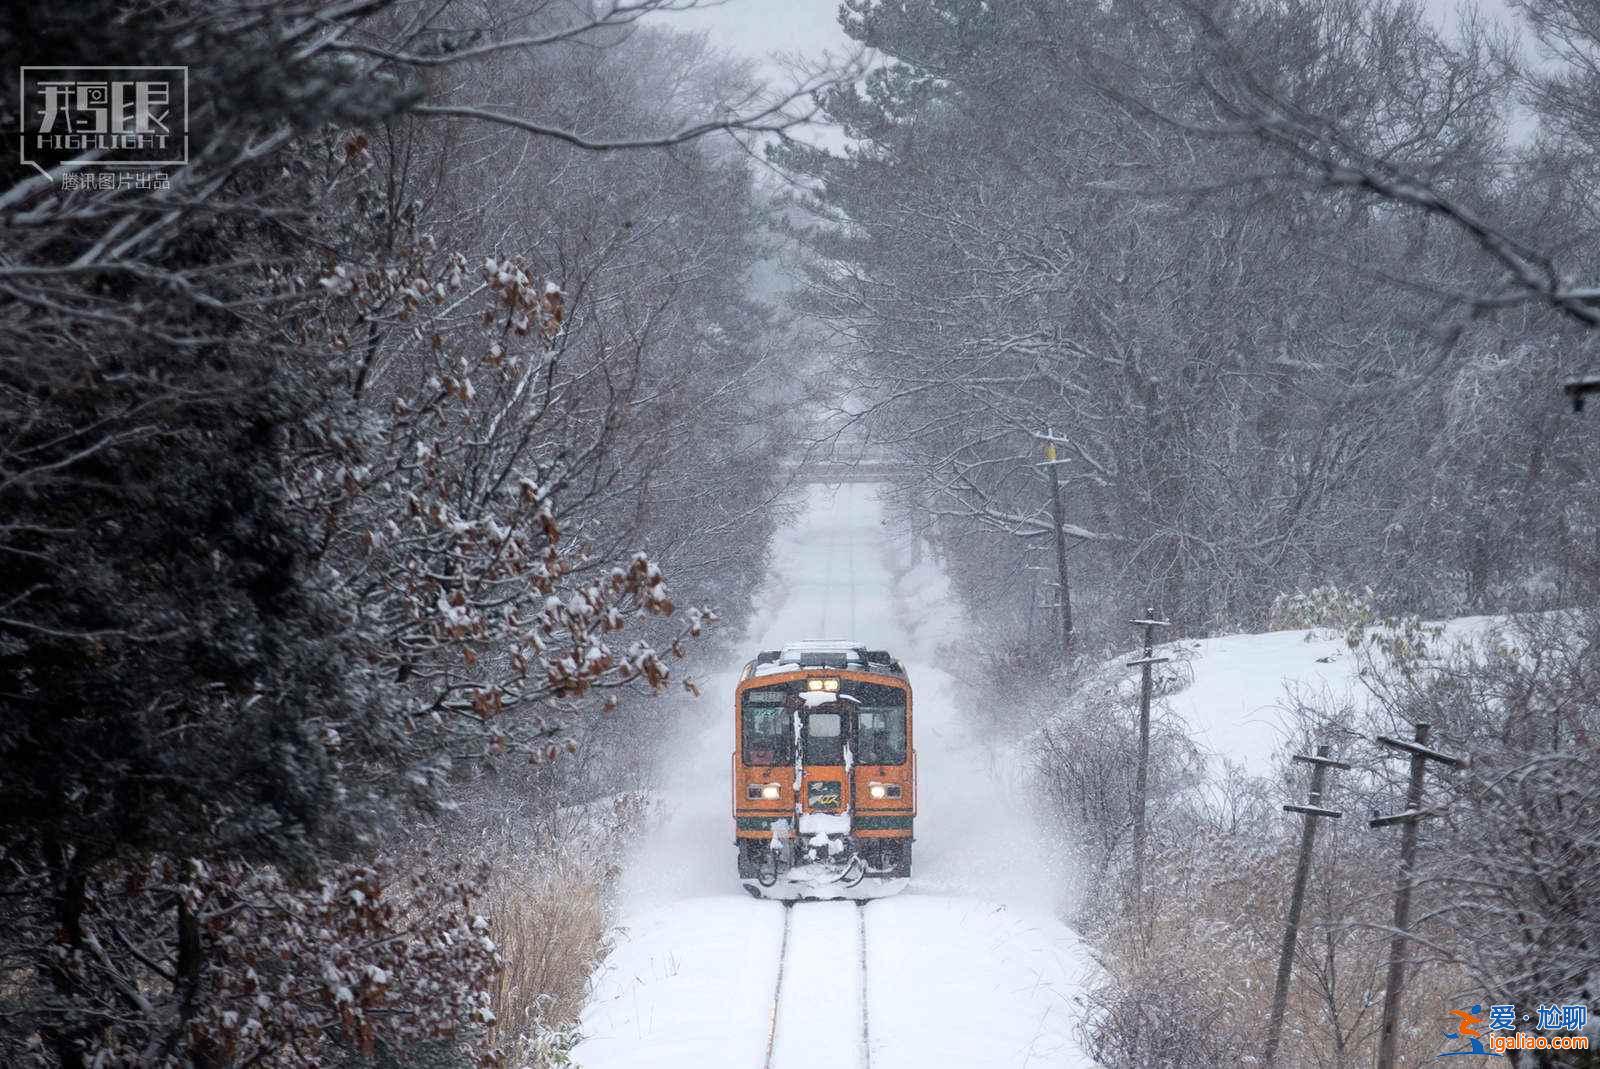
(761, 29)
(758, 28)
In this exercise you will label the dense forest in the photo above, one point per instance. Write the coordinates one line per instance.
(1293, 283)
(400, 438)
(1291, 291)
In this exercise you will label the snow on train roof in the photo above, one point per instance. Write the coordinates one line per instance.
(827, 645)
(823, 653)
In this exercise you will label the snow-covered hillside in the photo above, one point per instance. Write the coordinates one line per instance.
(1235, 695)
(967, 967)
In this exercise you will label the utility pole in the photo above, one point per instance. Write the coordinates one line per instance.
(1142, 773)
(1052, 463)
(1302, 871)
(1420, 756)
(1033, 585)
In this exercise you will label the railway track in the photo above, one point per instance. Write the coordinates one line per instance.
(861, 951)
(816, 1017)
(777, 987)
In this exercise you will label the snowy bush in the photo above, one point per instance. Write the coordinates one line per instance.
(1325, 608)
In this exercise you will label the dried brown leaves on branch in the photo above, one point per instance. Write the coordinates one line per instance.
(441, 503)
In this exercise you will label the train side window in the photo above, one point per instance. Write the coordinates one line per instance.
(824, 739)
(882, 736)
(768, 728)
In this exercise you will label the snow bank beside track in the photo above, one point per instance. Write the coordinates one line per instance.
(686, 986)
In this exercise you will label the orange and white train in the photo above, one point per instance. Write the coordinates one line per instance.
(824, 772)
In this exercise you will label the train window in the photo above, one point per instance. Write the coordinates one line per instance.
(824, 739)
(881, 736)
(875, 695)
(881, 724)
(768, 728)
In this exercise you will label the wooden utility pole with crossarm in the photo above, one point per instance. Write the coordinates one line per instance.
(1142, 770)
(1421, 754)
(1312, 811)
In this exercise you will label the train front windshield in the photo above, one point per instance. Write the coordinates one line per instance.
(768, 729)
(879, 714)
(881, 736)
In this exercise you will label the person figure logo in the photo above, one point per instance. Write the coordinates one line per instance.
(1467, 1028)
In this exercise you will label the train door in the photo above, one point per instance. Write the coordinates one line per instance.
(824, 756)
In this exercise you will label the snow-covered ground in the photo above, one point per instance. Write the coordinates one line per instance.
(967, 967)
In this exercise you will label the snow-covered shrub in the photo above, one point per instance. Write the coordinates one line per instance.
(1185, 958)
(1513, 851)
(1404, 644)
(1324, 608)
(280, 973)
(1084, 761)
(541, 1044)
(1401, 640)
(1172, 1019)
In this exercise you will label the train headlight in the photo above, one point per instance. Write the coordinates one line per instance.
(883, 790)
(770, 792)
(822, 684)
